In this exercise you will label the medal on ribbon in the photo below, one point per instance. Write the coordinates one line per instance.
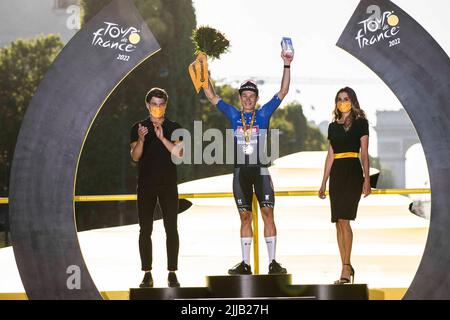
(247, 147)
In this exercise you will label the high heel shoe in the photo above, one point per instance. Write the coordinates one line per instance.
(343, 280)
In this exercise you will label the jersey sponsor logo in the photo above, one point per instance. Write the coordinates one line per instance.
(239, 133)
(240, 130)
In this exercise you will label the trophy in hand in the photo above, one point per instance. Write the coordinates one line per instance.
(287, 47)
(207, 42)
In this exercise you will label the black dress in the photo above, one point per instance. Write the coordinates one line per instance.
(346, 176)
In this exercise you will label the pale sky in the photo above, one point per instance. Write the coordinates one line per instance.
(255, 28)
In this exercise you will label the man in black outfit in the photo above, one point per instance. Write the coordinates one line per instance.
(152, 148)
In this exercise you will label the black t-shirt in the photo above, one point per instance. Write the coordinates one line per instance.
(155, 167)
(347, 141)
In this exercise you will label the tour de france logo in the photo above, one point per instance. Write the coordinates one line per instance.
(379, 27)
(116, 37)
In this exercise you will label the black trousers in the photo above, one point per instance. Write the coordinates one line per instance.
(244, 179)
(146, 202)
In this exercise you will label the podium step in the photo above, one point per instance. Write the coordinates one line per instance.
(249, 286)
(331, 291)
(255, 287)
(169, 293)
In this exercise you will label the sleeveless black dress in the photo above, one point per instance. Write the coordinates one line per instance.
(346, 176)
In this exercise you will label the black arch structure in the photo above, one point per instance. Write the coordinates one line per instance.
(417, 70)
(51, 138)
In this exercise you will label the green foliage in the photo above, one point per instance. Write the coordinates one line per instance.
(210, 41)
(211, 117)
(91, 8)
(23, 64)
(315, 140)
(105, 155)
(295, 132)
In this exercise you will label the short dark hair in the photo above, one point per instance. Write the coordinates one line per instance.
(248, 85)
(158, 93)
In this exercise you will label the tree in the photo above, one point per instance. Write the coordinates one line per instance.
(22, 66)
(105, 155)
(105, 165)
(315, 140)
(212, 118)
(295, 132)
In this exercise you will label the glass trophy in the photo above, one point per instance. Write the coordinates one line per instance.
(287, 47)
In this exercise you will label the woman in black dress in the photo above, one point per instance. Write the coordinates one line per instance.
(348, 137)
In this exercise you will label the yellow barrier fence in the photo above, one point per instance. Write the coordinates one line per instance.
(291, 193)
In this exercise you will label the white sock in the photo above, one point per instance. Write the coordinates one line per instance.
(246, 244)
(271, 245)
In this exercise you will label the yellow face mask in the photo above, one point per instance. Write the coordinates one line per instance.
(345, 106)
(157, 112)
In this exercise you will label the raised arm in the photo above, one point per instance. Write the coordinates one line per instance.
(211, 93)
(286, 80)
